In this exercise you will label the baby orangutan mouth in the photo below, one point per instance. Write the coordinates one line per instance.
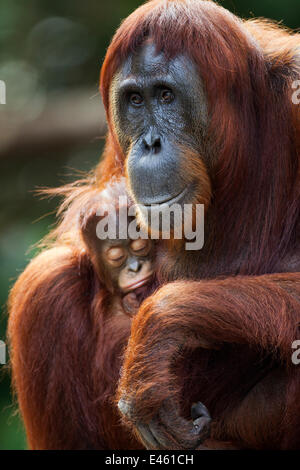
(139, 283)
(136, 293)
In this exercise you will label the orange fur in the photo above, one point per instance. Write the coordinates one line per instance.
(66, 354)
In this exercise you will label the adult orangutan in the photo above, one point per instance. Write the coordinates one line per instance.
(199, 107)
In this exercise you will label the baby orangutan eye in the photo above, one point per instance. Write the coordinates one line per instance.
(140, 247)
(116, 256)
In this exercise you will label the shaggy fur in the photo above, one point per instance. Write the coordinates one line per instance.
(222, 333)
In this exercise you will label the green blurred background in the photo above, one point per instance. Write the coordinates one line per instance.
(52, 124)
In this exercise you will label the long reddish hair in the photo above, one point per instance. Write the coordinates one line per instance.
(252, 125)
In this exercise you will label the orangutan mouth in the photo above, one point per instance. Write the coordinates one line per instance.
(136, 285)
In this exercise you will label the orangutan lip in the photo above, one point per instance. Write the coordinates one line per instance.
(138, 284)
(170, 201)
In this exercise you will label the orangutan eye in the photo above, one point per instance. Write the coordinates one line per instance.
(136, 99)
(166, 96)
(116, 256)
(140, 247)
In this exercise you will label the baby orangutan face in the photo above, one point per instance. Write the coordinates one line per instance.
(129, 265)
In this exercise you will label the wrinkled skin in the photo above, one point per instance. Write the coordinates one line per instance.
(158, 107)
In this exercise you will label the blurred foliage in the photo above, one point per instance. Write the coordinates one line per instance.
(46, 47)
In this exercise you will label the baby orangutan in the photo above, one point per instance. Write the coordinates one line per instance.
(124, 266)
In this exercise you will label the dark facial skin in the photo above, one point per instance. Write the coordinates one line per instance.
(158, 108)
